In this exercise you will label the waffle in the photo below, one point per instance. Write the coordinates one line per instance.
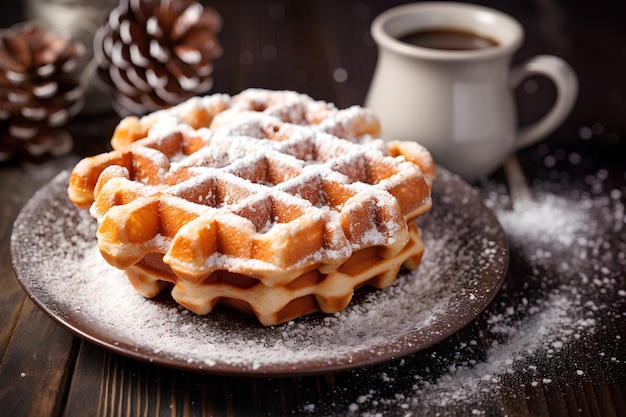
(259, 202)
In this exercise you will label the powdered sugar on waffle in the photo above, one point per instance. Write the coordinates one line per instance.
(282, 163)
(351, 196)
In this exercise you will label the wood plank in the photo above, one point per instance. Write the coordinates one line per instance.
(18, 184)
(11, 298)
(36, 352)
(35, 370)
(111, 385)
(11, 294)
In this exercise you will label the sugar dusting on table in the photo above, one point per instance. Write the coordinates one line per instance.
(575, 284)
(575, 288)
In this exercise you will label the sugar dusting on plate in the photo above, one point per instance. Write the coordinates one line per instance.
(58, 263)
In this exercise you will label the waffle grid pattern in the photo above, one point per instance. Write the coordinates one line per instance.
(244, 209)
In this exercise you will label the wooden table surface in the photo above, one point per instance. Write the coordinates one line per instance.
(553, 342)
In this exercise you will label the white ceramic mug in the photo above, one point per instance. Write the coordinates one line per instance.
(460, 104)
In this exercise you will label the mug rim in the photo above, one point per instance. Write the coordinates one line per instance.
(380, 31)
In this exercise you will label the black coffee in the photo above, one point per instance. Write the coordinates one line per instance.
(447, 39)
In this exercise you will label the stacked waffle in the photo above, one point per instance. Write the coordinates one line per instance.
(269, 203)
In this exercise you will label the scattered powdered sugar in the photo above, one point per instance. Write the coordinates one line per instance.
(57, 260)
(571, 252)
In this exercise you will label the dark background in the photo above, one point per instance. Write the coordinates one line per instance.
(590, 35)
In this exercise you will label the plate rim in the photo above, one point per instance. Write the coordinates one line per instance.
(73, 322)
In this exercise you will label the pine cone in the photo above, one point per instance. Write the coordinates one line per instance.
(39, 90)
(153, 54)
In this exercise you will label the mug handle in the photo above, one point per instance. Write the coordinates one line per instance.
(566, 82)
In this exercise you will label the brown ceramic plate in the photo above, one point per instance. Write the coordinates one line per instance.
(55, 257)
